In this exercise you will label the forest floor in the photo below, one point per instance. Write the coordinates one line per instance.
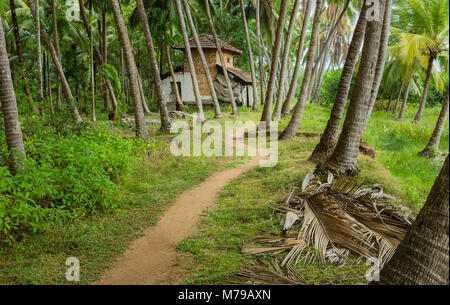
(210, 252)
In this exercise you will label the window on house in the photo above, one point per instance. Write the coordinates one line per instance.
(228, 60)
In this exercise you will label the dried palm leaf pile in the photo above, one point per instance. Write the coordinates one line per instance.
(336, 219)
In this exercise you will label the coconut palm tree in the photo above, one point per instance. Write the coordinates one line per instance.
(165, 120)
(423, 255)
(292, 88)
(285, 60)
(57, 62)
(299, 108)
(20, 54)
(250, 54)
(433, 143)
(330, 135)
(222, 60)
(141, 126)
(209, 79)
(99, 56)
(8, 101)
(279, 35)
(422, 30)
(201, 115)
(344, 156)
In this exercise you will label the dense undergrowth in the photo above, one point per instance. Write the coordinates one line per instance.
(71, 171)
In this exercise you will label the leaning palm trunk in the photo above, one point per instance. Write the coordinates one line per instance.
(198, 99)
(299, 108)
(405, 100)
(165, 119)
(293, 86)
(8, 102)
(330, 135)
(285, 61)
(20, 54)
(234, 109)
(418, 117)
(141, 126)
(435, 139)
(250, 55)
(279, 35)
(344, 156)
(56, 37)
(209, 79)
(381, 58)
(57, 62)
(422, 256)
(180, 106)
(141, 91)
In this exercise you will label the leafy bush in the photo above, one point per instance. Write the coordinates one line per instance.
(330, 86)
(67, 176)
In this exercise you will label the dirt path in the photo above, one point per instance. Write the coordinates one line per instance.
(151, 259)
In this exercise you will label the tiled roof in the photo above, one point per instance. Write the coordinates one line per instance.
(240, 74)
(207, 42)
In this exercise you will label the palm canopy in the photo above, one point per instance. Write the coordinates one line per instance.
(421, 28)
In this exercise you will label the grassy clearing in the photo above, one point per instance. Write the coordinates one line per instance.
(214, 253)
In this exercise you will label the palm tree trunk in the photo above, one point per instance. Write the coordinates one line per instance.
(279, 35)
(101, 58)
(56, 61)
(39, 57)
(105, 58)
(164, 115)
(385, 32)
(435, 139)
(188, 54)
(222, 60)
(290, 95)
(405, 100)
(20, 55)
(388, 108)
(56, 38)
(344, 156)
(250, 55)
(8, 102)
(91, 66)
(423, 101)
(330, 135)
(180, 106)
(398, 99)
(209, 79)
(422, 256)
(285, 60)
(141, 126)
(260, 55)
(299, 108)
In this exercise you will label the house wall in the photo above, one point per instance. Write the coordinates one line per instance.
(229, 59)
(187, 90)
(211, 59)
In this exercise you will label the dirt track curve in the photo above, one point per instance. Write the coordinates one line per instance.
(151, 259)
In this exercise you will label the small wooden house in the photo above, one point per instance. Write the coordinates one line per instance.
(241, 81)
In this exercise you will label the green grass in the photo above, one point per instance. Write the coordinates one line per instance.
(97, 240)
(213, 254)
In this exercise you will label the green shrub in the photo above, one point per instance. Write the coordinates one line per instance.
(67, 176)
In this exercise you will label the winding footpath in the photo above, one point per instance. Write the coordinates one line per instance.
(151, 259)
